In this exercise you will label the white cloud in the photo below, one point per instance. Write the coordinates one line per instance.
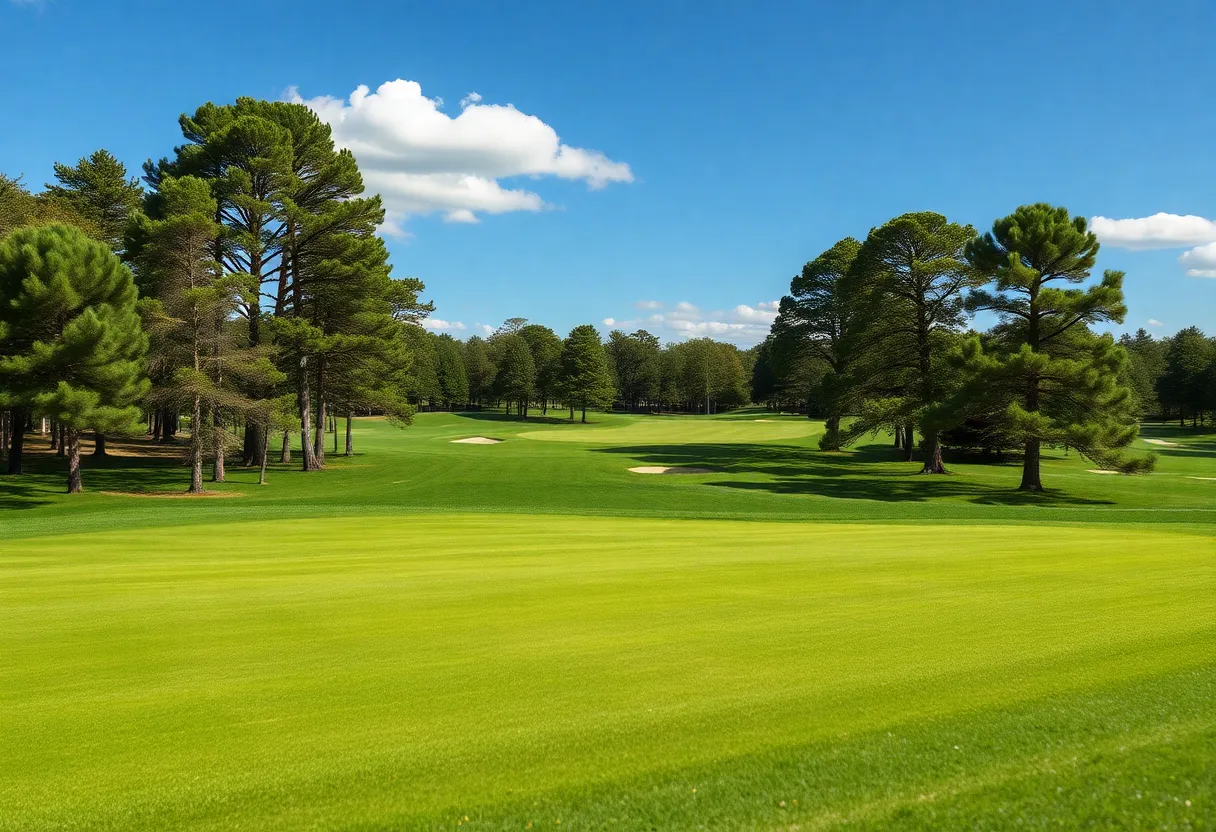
(485, 329)
(1154, 322)
(759, 314)
(440, 325)
(423, 161)
(744, 325)
(1158, 231)
(1200, 261)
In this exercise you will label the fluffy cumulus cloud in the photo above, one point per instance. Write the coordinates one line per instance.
(744, 324)
(1157, 231)
(423, 161)
(440, 325)
(1200, 261)
(1161, 231)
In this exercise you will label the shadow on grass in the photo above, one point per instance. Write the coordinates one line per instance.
(872, 472)
(45, 476)
(536, 419)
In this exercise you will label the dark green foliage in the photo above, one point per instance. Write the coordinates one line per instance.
(826, 316)
(479, 369)
(1046, 376)
(634, 362)
(546, 349)
(585, 380)
(914, 266)
(98, 189)
(71, 345)
(449, 365)
(516, 378)
(1187, 384)
(1145, 365)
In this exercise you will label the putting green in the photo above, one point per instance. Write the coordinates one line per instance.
(411, 672)
(681, 431)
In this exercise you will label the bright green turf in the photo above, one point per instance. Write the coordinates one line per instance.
(525, 632)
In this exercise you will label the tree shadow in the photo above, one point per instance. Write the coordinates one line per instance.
(483, 416)
(867, 473)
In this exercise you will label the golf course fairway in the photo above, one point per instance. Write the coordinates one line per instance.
(343, 673)
(434, 635)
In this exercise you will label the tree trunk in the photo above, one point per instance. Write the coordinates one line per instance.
(196, 447)
(1030, 467)
(335, 423)
(16, 439)
(262, 456)
(350, 439)
(99, 444)
(54, 435)
(72, 439)
(909, 441)
(584, 419)
(251, 450)
(933, 456)
(899, 436)
(63, 441)
(571, 413)
(217, 471)
(318, 449)
(285, 456)
(305, 402)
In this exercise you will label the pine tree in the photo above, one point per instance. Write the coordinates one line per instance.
(546, 349)
(479, 369)
(71, 345)
(516, 378)
(634, 361)
(98, 189)
(453, 380)
(1186, 382)
(585, 380)
(826, 314)
(915, 266)
(1048, 378)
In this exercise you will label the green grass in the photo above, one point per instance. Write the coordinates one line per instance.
(525, 633)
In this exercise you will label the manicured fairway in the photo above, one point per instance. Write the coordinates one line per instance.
(346, 671)
(363, 649)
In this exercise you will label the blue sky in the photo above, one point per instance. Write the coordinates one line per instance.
(707, 150)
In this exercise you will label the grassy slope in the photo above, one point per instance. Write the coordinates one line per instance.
(760, 478)
(365, 665)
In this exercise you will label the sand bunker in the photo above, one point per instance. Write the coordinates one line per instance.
(1161, 442)
(1208, 479)
(765, 420)
(476, 440)
(1102, 471)
(669, 469)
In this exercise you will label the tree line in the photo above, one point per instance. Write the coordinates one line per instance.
(875, 336)
(523, 365)
(240, 290)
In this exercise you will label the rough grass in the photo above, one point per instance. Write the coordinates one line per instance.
(526, 633)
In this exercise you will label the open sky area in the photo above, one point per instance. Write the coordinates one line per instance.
(668, 166)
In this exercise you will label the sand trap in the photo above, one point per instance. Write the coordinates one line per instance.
(476, 440)
(765, 420)
(1207, 479)
(1161, 442)
(669, 469)
(1102, 471)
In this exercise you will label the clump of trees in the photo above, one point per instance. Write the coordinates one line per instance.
(243, 290)
(874, 331)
